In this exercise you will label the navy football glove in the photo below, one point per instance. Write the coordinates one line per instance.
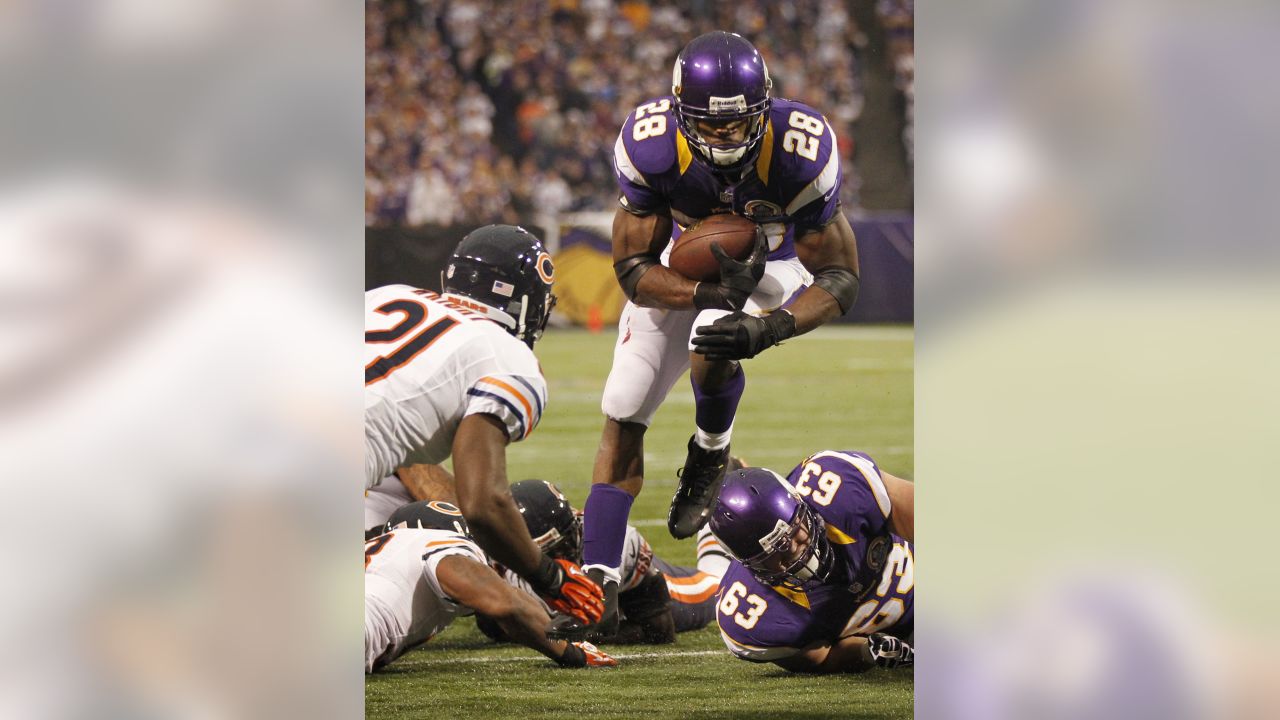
(739, 336)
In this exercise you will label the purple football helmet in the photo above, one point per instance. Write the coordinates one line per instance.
(721, 77)
(756, 518)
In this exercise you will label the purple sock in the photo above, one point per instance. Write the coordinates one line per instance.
(605, 525)
(715, 410)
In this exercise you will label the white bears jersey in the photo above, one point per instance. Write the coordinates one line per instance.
(383, 499)
(429, 362)
(404, 605)
(637, 560)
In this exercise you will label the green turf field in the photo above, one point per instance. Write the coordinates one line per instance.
(836, 388)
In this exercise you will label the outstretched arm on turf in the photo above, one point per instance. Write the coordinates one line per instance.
(520, 616)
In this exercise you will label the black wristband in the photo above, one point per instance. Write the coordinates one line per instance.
(782, 323)
(548, 577)
(573, 657)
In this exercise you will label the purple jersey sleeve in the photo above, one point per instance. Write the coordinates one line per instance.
(645, 157)
(804, 163)
(846, 489)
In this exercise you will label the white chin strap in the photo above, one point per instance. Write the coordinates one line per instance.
(726, 157)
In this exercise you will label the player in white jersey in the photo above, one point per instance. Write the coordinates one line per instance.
(381, 500)
(405, 485)
(454, 374)
(425, 571)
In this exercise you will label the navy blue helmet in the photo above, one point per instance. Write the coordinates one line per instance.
(721, 78)
(552, 523)
(758, 517)
(507, 269)
(428, 515)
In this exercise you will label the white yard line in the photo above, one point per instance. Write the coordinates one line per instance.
(540, 658)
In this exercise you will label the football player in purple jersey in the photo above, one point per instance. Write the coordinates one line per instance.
(823, 577)
(720, 143)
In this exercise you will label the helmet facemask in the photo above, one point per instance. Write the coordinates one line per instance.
(529, 329)
(566, 544)
(812, 566)
(726, 156)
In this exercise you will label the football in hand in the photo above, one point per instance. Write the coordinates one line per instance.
(691, 256)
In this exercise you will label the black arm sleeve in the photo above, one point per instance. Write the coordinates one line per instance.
(630, 270)
(841, 283)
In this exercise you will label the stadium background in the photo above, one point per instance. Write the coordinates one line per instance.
(485, 111)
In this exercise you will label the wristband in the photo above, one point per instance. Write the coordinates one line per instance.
(548, 578)
(707, 296)
(572, 657)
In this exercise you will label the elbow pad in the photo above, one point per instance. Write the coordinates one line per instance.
(841, 283)
(630, 270)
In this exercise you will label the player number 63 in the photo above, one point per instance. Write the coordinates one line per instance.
(828, 483)
(729, 605)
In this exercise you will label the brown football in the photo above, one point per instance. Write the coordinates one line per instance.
(691, 256)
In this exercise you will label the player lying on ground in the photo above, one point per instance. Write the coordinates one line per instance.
(454, 374)
(719, 143)
(656, 599)
(823, 577)
(426, 570)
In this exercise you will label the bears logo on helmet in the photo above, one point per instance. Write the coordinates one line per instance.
(507, 270)
(428, 515)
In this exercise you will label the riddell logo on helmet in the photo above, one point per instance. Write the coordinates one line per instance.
(735, 104)
(780, 530)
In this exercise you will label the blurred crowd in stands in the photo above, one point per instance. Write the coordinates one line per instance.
(898, 19)
(482, 111)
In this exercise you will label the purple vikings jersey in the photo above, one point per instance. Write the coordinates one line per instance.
(871, 589)
(795, 180)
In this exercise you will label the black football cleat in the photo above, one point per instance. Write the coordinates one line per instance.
(700, 481)
(568, 627)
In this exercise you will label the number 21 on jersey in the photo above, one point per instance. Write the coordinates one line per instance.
(414, 314)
